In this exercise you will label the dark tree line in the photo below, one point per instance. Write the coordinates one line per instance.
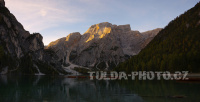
(176, 47)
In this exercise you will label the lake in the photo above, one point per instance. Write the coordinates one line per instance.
(63, 89)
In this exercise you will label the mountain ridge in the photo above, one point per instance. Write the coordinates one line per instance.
(103, 43)
(102, 46)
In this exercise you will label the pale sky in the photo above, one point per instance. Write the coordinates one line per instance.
(57, 18)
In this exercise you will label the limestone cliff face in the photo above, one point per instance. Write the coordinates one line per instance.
(13, 34)
(15, 39)
(61, 46)
(102, 46)
(16, 44)
(2, 3)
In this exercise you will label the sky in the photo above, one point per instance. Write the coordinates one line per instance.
(55, 19)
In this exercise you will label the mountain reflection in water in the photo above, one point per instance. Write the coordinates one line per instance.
(61, 89)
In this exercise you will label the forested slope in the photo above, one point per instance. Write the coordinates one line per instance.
(176, 47)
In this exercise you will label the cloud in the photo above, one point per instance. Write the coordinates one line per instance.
(38, 15)
(44, 16)
(52, 18)
(43, 12)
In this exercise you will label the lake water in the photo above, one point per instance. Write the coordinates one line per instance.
(62, 89)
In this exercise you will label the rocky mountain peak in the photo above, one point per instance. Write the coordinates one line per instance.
(99, 29)
(106, 27)
(103, 45)
(124, 28)
(73, 36)
(2, 3)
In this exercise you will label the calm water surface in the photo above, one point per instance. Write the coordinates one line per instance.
(62, 89)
